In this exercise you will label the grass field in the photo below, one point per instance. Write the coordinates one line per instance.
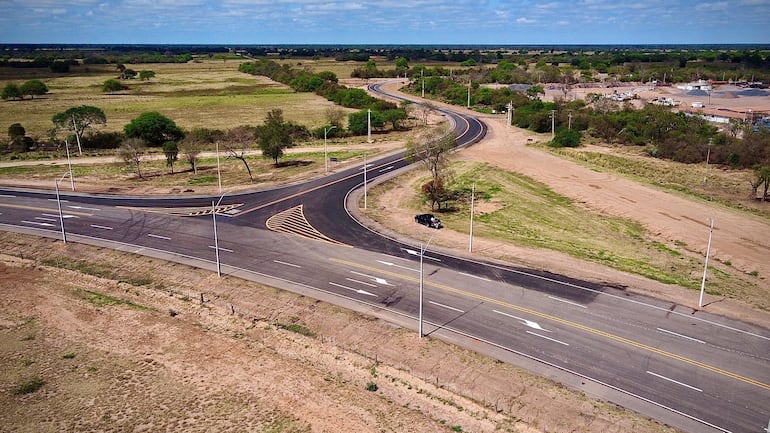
(522, 211)
(210, 94)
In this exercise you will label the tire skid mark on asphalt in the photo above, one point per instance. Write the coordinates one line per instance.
(293, 221)
(571, 324)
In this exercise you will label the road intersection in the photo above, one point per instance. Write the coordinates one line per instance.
(696, 371)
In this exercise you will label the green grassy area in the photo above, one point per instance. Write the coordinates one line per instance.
(522, 211)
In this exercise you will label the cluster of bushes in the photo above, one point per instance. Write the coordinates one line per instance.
(29, 88)
(326, 84)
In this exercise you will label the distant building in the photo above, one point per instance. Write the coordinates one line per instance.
(696, 85)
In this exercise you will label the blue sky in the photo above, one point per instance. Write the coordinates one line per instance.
(503, 22)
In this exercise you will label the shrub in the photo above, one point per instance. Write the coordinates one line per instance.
(372, 387)
(566, 138)
(112, 85)
(29, 386)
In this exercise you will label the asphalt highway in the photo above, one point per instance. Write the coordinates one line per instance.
(693, 370)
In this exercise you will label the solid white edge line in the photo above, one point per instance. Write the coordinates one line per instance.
(286, 263)
(7, 196)
(674, 381)
(547, 338)
(666, 331)
(566, 301)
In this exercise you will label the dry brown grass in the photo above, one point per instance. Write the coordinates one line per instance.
(208, 94)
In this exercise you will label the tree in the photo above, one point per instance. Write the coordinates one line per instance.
(335, 116)
(79, 120)
(394, 117)
(402, 64)
(127, 74)
(238, 142)
(190, 148)
(112, 85)
(132, 152)
(154, 128)
(19, 142)
(761, 177)
(358, 122)
(432, 150)
(146, 75)
(274, 135)
(12, 91)
(171, 151)
(33, 87)
(534, 91)
(16, 130)
(434, 191)
(425, 109)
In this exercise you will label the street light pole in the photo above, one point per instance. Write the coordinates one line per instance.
(216, 238)
(422, 78)
(69, 164)
(219, 174)
(58, 205)
(326, 153)
(706, 266)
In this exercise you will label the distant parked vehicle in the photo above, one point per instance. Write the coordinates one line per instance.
(429, 220)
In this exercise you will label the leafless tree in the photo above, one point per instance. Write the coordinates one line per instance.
(190, 147)
(132, 151)
(238, 144)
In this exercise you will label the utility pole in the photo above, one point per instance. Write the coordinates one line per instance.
(510, 114)
(706, 266)
(69, 163)
(569, 117)
(553, 124)
(77, 135)
(469, 93)
(422, 78)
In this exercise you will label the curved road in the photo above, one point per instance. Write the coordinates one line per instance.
(692, 370)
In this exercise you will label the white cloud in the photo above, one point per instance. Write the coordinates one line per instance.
(523, 20)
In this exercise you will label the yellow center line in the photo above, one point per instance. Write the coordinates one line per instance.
(20, 206)
(567, 323)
